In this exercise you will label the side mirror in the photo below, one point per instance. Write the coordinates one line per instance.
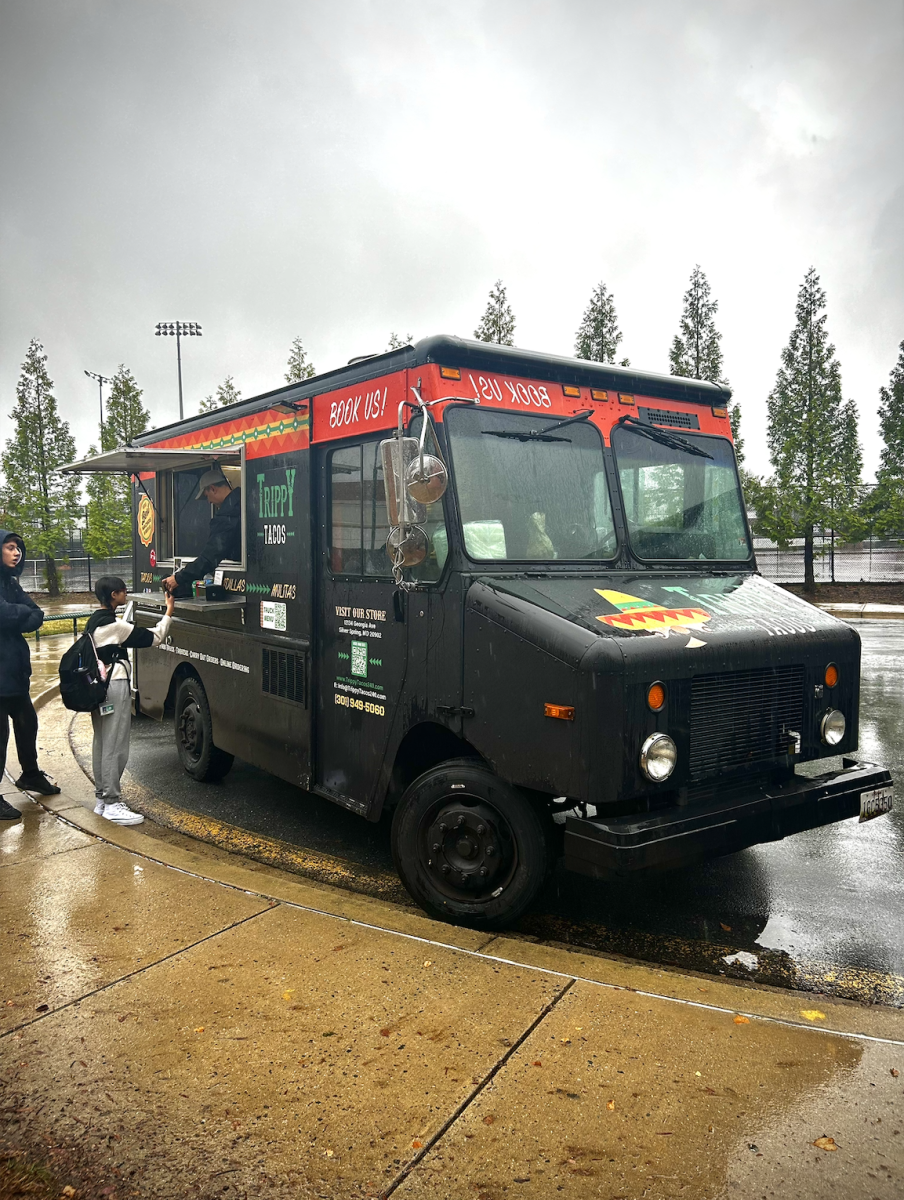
(426, 479)
(398, 455)
(410, 542)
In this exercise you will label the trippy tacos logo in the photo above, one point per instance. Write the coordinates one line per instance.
(636, 615)
(145, 520)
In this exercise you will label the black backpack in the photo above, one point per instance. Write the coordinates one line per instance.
(83, 677)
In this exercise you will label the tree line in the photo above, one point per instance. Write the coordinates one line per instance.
(814, 447)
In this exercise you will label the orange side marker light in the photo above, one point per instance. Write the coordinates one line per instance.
(831, 675)
(564, 712)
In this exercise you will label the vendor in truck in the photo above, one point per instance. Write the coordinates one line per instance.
(225, 536)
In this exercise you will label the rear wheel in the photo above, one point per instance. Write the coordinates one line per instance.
(194, 734)
(469, 848)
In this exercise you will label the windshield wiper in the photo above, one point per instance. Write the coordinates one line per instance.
(538, 435)
(657, 435)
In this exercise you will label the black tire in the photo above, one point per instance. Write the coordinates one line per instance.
(194, 734)
(470, 849)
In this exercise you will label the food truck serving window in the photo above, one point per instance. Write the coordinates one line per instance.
(680, 504)
(187, 519)
(528, 491)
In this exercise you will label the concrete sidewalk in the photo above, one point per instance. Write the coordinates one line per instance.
(179, 1021)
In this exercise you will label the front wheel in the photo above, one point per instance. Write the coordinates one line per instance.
(469, 848)
(194, 734)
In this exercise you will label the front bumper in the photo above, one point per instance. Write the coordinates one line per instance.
(684, 834)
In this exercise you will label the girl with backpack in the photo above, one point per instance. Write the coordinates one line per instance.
(112, 719)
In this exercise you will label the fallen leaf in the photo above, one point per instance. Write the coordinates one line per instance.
(200, 1029)
(610, 1104)
(287, 994)
(42, 1008)
(825, 1143)
(697, 1073)
(566, 1041)
(329, 1153)
(812, 1014)
(538, 1063)
(428, 962)
(335, 948)
(384, 1033)
(416, 1145)
(739, 1020)
(727, 928)
(895, 1073)
(68, 1191)
(488, 1120)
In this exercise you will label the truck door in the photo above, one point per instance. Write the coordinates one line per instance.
(360, 645)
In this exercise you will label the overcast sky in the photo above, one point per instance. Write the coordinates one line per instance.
(340, 170)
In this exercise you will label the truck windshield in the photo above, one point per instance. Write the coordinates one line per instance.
(528, 491)
(680, 505)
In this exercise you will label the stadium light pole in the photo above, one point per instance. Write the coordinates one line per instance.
(101, 380)
(179, 330)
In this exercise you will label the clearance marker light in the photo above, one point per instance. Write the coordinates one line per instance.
(569, 390)
(450, 372)
(720, 412)
(564, 712)
(831, 675)
(596, 394)
(622, 399)
(656, 697)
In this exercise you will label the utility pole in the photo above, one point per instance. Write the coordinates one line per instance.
(179, 330)
(101, 380)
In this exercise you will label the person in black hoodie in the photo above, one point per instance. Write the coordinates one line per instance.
(18, 615)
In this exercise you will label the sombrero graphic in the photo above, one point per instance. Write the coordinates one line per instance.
(636, 615)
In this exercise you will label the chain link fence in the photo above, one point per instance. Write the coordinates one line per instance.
(873, 561)
(78, 574)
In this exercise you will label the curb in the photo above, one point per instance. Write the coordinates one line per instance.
(874, 612)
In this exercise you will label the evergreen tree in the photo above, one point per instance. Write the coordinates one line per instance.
(599, 335)
(886, 505)
(299, 367)
(809, 430)
(498, 321)
(226, 393)
(109, 516)
(39, 503)
(396, 343)
(696, 351)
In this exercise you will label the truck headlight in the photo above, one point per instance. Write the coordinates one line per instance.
(833, 727)
(658, 756)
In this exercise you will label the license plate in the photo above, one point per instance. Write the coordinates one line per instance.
(876, 802)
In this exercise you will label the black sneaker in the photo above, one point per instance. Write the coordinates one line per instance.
(37, 781)
(7, 812)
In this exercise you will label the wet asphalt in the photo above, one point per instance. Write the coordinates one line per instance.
(822, 911)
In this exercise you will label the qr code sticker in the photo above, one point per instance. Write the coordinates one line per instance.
(359, 659)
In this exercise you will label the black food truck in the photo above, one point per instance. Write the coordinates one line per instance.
(480, 587)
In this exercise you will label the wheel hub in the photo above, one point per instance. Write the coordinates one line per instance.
(465, 842)
(189, 729)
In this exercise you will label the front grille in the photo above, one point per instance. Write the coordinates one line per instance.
(662, 416)
(743, 718)
(282, 674)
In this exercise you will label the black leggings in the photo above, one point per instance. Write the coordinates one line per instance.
(25, 727)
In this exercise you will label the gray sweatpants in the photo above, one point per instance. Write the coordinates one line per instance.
(110, 751)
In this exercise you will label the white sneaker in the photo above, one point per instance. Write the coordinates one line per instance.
(121, 814)
(99, 807)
